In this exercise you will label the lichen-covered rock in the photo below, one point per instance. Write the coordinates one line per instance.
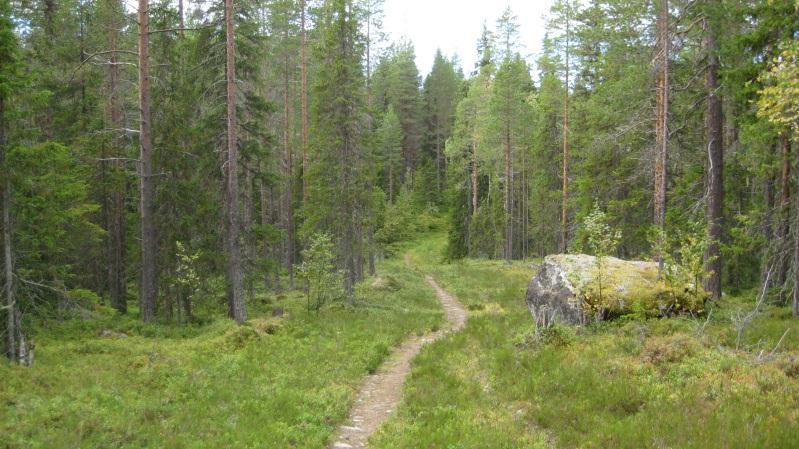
(575, 289)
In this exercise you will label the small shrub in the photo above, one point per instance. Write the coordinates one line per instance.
(323, 283)
(239, 337)
(269, 326)
(669, 349)
(557, 335)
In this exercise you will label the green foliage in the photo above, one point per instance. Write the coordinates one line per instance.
(778, 98)
(601, 238)
(400, 220)
(48, 177)
(684, 264)
(323, 282)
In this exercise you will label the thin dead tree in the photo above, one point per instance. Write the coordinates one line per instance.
(715, 170)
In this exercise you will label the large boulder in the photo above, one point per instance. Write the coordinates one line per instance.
(575, 289)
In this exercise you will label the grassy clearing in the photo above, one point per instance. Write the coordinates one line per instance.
(275, 383)
(656, 383)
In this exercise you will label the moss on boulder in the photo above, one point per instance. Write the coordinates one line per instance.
(577, 288)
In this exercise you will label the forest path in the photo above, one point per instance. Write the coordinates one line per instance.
(381, 392)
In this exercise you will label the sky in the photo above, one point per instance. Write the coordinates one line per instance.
(454, 26)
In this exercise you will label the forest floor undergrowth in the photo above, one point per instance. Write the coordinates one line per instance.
(112, 382)
(291, 382)
(659, 383)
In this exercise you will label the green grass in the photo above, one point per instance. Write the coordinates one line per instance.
(634, 384)
(271, 384)
(288, 383)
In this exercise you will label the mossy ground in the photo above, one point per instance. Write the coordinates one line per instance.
(274, 383)
(287, 383)
(627, 384)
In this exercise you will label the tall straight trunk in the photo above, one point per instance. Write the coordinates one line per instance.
(115, 200)
(181, 17)
(370, 230)
(238, 310)
(262, 191)
(474, 179)
(149, 282)
(783, 213)
(8, 251)
(249, 221)
(715, 170)
(564, 217)
(438, 159)
(662, 118)
(768, 230)
(795, 305)
(304, 102)
(288, 170)
(508, 197)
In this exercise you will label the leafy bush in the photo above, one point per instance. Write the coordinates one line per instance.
(323, 283)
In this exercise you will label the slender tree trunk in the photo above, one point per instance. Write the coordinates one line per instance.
(149, 282)
(8, 251)
(181, 17)
(784, 211)
(438, 159)
(768, 231)
(715, 148)
(564, 218)
(115, 200)
(474, 179)
(288, 171)
(238, 310)
(304, 102)
(262, 190)
(662, 119)
(249, 221)
(795, 305)
(508, 198)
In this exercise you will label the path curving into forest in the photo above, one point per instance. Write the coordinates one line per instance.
(381, 392)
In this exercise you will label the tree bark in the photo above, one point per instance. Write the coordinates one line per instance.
(115, 201)
(8, 251)
(783, 212)
(181, 17)
(304, 102)
(238, 310)
(262, 190)
(508, 196)
(795, 305)
(768, 231)
(715, 170)
(661, 118)
(288, 170)
(474, 179)
(149, 282)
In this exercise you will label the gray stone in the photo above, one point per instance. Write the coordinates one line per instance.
(558, 292)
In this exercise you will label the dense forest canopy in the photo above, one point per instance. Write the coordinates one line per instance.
(159, 157)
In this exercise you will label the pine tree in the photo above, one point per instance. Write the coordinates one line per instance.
(440, 96)
(336, 197)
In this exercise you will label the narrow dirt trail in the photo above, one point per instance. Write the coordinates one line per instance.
(381, 392)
